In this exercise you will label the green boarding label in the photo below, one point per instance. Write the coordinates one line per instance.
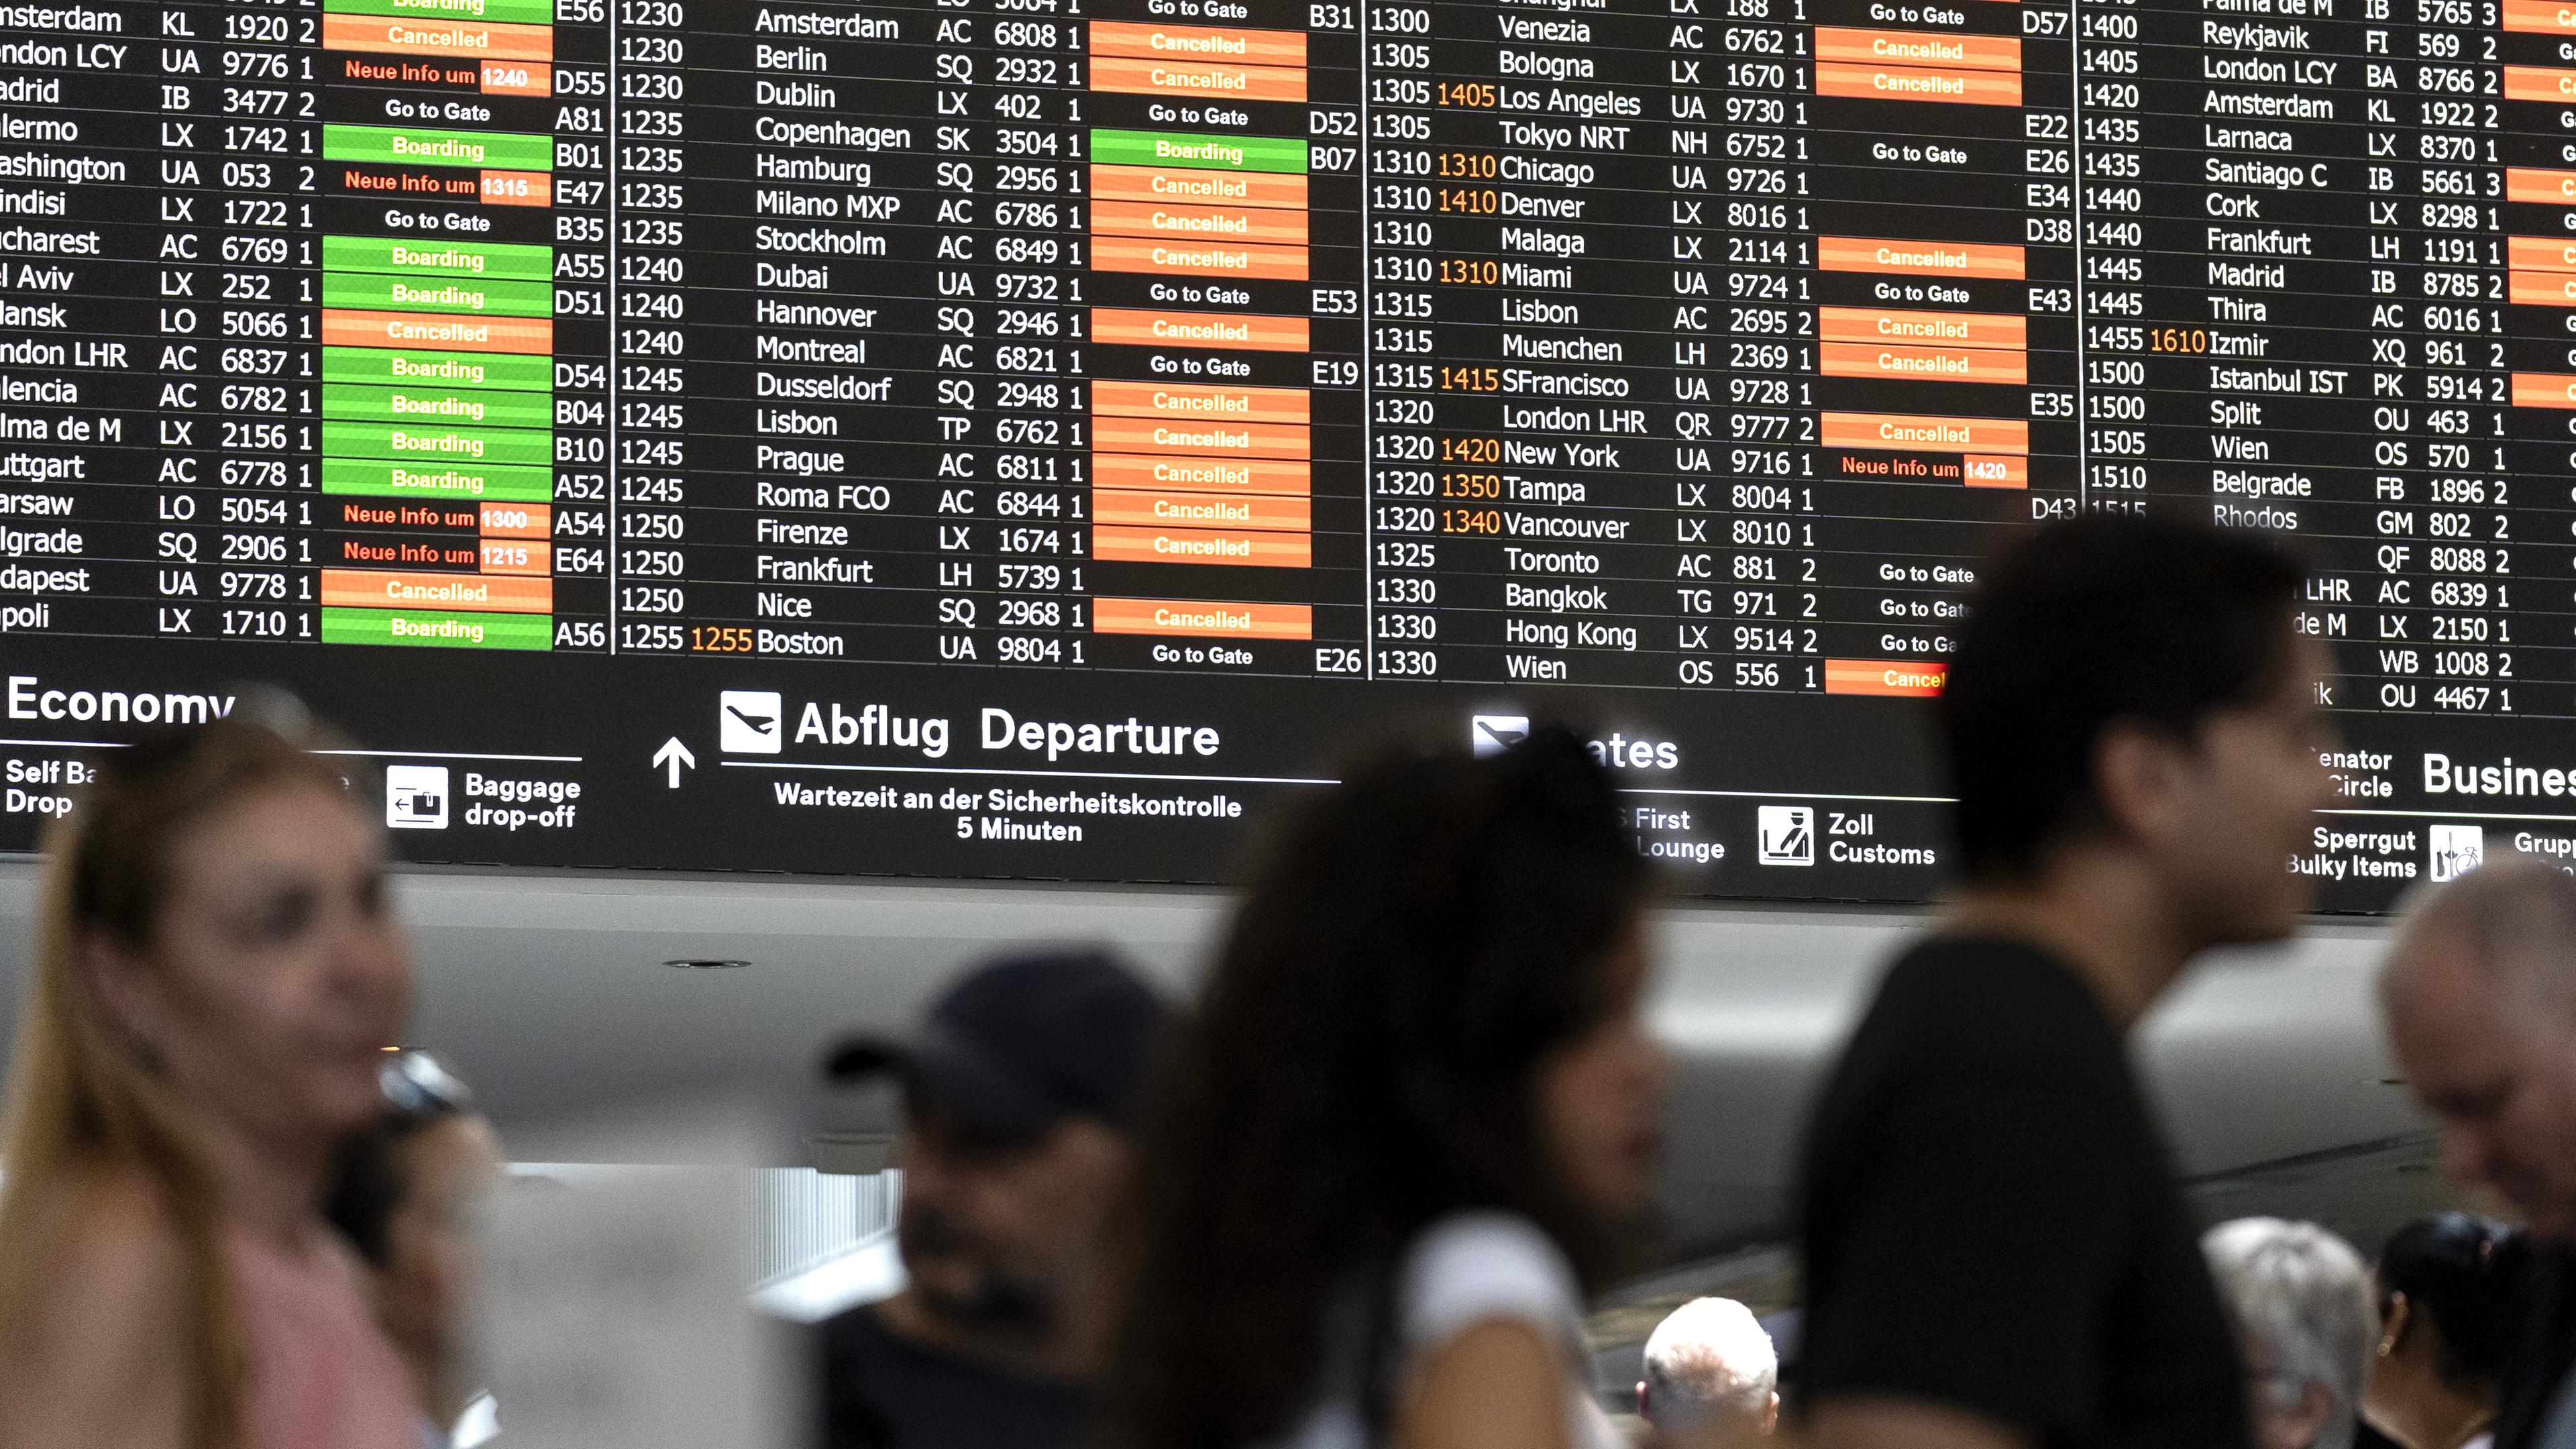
(437, 405)
(438, 628)
(526, 446)
(1211, 153)
(393, 292)
(446, 259)
(407, 146)
(373, 478)
(507, 12)
(519, 372)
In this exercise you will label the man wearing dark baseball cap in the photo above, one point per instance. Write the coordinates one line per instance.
(1019, 1098)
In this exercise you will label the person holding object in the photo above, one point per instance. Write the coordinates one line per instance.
(1996, 1253)
(1413, 1119)
(218, 977)
(2301, 1303)
(405, 1195)
(1710, 1365)
(2480, 998)
(2446, 1288)
(1019, 1095)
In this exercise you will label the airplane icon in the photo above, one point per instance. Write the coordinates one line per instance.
(747, 721)
(1491, 734)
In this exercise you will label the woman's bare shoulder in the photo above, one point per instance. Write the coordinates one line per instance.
(106, 1228)
(93, 1301)
(1498, 1384)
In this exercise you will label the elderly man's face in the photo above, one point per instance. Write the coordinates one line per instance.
(2502, 1087)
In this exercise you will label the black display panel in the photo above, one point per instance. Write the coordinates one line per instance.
(1033, 437)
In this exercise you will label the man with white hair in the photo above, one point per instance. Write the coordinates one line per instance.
(2480, 998)
(1710, 1364)
(2300, 1301)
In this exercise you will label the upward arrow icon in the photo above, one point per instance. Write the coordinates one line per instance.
(672, 756)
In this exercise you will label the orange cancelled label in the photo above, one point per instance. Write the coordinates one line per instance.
(1883, 676)
(1952, 364)
(1197, 78)
(1175, 435)
(2539, 17)
(383, 589)
(1956, 85)
(1917, 258)
(1198, 259)
(1190, 42)
(1208, 188)
(2541, 253)
(1201, 618)
(1207, 475)
(1198, 401)
(2542, 289)
(2530, 183)
(1964, 329)
(2544, 390)
(1204, 546)
(477, 39)
(1251, 333)
(1918, 47)
(1202, 510)
(1926, 434)
(2538, 83)
(1198, 223)
(342, 327)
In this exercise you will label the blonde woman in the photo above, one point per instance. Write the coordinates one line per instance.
(216, 978)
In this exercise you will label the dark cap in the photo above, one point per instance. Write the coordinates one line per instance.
(1025, 1041)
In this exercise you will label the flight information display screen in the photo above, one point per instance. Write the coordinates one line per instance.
(1033, 438)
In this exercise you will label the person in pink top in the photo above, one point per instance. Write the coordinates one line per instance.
(217, 976)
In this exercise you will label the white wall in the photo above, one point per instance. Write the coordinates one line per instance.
(550, 995)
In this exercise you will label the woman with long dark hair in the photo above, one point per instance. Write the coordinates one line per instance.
(1408, 1126)
(218, 974)
(2446, 1284)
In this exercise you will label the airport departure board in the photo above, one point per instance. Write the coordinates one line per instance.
(1033, 438)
